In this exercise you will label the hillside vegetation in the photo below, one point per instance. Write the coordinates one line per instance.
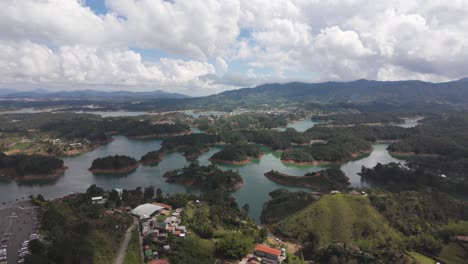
(340, 218)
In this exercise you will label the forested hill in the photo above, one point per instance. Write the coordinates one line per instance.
(356, 91)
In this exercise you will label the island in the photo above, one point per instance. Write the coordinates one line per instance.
(30, 167)
(324, 180)
(207, 178)
(237, 154)
(114, 164)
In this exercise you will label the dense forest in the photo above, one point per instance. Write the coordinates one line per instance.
(21, 165)
(283, 201)
(237, 153)
(397, 177)
(441, 135)
(207, 178)
(117, 163)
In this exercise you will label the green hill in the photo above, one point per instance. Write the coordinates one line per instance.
(340, 218)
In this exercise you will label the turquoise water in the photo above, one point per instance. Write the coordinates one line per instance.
(300, 125)
(254, 191)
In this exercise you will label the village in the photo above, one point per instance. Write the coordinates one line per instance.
(159, 224)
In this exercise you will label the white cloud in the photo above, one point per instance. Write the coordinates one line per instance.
(26, 64)
(62, 43)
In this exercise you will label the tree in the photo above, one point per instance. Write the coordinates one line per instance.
(159, 195)
(233, 246)
(246, 208)
(148, 193)
(94, 191)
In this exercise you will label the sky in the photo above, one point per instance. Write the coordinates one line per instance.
(200, 47)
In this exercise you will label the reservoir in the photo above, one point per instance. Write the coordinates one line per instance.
(255, 190)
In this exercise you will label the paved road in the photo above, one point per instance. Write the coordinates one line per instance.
(19, 220)
(123, 247)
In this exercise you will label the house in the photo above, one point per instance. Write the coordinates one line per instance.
(75, 145)
(335, 192)
(148, 253)
(170, 220)
(181, 228)
(167, 247)
(159, 261)
(165, 212)
(459, 238)
(269, 255)
(170, 229)
(97, 200)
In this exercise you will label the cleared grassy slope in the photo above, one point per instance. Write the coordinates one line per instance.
(340, 218)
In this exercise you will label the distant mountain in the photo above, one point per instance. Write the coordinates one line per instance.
(360, 91)
(6, 91)
(88, 94)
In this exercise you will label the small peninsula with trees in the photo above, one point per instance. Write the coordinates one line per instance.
(114, 164)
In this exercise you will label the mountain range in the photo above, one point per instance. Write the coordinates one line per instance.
(359, 91)
(86, 94)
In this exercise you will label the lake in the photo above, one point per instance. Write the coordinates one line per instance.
(300, 125)
(254, 191)
(410, 121)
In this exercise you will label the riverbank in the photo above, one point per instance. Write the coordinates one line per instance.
(354, 156)
(412, 155)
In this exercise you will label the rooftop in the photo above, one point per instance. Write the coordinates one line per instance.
(166, 206)
(268, 250)
(146, 209)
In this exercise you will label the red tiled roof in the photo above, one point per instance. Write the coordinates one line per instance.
(159, 261)
(268, 250)
(164, 205)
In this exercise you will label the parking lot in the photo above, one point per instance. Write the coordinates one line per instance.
(17, 222)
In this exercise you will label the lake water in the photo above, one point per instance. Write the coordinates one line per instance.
(411, 122)
(379, 154)
(254, 191)
(300, 125)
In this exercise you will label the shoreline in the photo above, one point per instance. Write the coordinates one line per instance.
(354, 156)
(152, 136)
(50, 176)
(236, 162)
(412, 154)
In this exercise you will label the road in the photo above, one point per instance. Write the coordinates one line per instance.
(19, 220)
(123, 247)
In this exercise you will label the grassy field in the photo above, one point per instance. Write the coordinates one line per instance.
(421, 259)
(340, 218)
(133, 251)
(454, 253)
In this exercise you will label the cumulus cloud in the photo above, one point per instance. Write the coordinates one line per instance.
(63, 43)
